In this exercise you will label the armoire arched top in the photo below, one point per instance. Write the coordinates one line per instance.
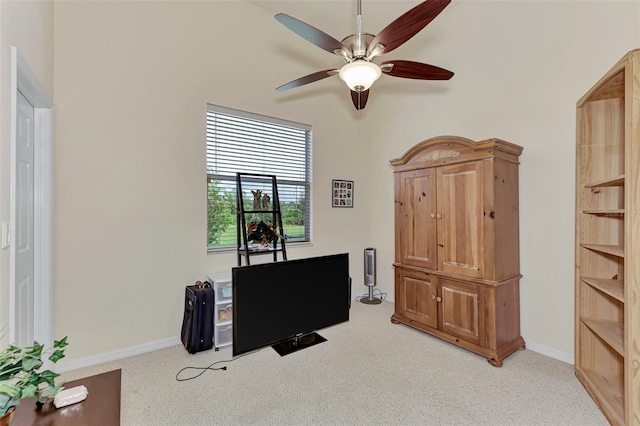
(446, 149)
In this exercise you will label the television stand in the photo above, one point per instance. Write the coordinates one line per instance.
(298, 343)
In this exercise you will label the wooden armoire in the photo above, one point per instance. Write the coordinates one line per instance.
(457, 265)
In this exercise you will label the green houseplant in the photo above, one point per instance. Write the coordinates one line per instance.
(20, 375)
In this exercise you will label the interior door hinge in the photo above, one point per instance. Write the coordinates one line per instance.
(6, 242)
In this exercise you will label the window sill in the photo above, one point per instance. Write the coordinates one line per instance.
(225, 250)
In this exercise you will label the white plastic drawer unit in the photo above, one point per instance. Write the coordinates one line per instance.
(223, 320)
(223, 291)
(224, 313)
(223, 335)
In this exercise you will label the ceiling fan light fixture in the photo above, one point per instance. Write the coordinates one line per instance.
(360, 74)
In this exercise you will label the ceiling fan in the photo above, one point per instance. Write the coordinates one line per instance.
(358, 51)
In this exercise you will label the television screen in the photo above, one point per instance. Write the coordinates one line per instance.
(285, 302)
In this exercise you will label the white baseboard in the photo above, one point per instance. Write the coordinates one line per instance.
(90, 361)
(550, 352)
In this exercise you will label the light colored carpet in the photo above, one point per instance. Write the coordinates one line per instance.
(369, 372)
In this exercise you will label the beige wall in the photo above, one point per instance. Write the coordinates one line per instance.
(132, 80)
(520, 69)
(28, 26)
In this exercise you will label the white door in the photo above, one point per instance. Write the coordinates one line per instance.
(24, 266)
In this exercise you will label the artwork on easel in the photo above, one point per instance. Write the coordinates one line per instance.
(342, 193)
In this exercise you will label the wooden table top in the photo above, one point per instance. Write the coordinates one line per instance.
(101, 407)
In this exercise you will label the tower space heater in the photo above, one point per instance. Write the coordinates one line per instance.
(370, 276)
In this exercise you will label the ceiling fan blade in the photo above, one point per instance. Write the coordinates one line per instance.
(313, 35)
(416, 70)
(407, 25)
(360, 98)
(307, 79)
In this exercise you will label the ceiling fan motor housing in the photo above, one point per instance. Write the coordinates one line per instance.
(358, 44)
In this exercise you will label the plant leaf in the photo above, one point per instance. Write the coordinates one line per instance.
(48, 377)
(30, 364)
(29, 391)
(7, 402)
(56, 356)
(9, 387)
(62, 343)
(50, 391)
(34, 350)
(9, 370)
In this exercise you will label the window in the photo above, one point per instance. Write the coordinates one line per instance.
(239, 141)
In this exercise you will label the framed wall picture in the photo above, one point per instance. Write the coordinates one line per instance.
(341, 193)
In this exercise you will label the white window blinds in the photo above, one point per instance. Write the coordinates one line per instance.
(239, 141)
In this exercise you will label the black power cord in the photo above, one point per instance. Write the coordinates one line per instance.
(382, 295)
(209, 367)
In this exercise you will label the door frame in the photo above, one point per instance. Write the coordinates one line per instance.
(23, 79)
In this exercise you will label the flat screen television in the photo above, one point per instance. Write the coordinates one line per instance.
(282, 304)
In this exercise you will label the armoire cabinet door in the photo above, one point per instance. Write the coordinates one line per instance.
(460, 219)
(416, 294)
(462, 310)
(417, 224)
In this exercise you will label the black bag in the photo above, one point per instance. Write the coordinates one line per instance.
(197, 324)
